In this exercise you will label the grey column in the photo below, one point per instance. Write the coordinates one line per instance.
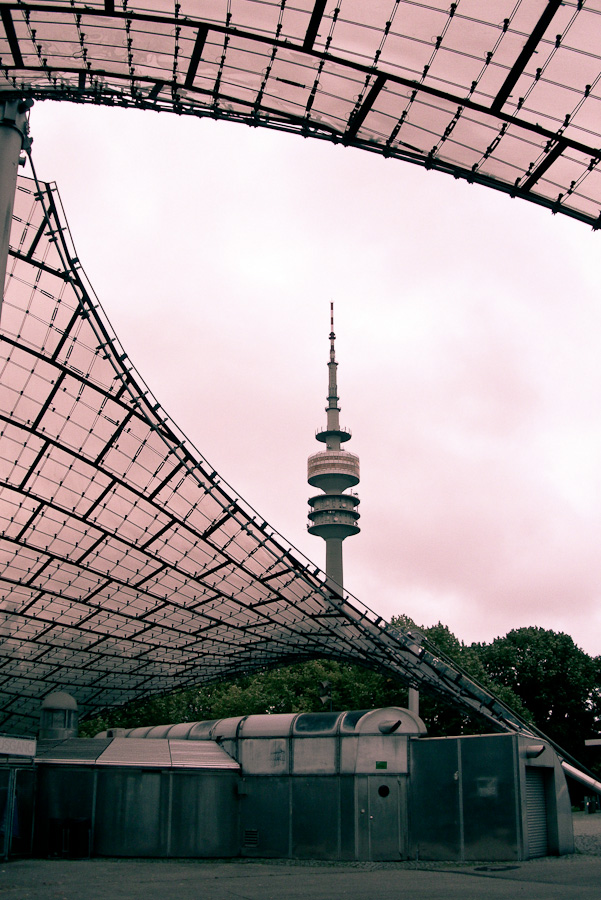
(334, 560)
(413, 701)
(13, 137)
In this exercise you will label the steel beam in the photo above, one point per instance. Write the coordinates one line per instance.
(528, 50)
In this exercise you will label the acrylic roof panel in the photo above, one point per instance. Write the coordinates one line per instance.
(200, 755)
(127, 566)
(166, 754)
(503, 92)
(71, 750)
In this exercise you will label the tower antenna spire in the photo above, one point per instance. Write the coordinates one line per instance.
(333, 514)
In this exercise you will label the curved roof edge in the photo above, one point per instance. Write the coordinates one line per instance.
(508, 100)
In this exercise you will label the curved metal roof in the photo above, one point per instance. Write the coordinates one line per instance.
(502, 92)
(127, 567)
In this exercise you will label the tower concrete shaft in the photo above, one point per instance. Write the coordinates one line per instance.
(333, 514)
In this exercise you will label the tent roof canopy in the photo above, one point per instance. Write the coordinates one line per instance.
(505, 93)
(127, 566)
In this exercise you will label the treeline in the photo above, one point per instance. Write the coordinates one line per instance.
(540, 674)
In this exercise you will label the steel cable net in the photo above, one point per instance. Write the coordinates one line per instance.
(127, 566)
(504, 92)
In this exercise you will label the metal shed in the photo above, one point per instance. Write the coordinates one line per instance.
(116, 797)
(488, 797)
(359, 785)
(369, 784)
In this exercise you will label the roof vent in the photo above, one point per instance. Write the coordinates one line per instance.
(58, 717)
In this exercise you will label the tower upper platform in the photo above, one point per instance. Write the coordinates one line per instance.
(333, 470)
(325, 436)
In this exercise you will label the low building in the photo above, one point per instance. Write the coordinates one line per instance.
(361, 785)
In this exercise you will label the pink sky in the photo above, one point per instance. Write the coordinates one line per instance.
(467, 330)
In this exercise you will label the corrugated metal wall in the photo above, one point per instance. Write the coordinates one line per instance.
(464, 798)
(325, 817)
(536, 812)
(111, 811)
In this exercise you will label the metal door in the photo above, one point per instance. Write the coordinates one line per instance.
(381, 817)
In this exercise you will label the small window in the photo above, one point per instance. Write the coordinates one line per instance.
(316, 723)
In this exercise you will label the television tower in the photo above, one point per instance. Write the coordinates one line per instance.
(333, 514)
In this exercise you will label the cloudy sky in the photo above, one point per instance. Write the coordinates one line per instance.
(468, 328)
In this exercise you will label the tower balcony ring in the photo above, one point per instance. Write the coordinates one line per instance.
(325, 434)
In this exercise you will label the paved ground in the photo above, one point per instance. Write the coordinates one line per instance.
(576, 877)
(587, 833)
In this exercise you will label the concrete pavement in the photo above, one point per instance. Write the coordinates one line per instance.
(576, 877)
(100, 879)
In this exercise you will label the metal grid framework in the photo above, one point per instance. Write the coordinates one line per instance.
(127, 567)
(502, 92)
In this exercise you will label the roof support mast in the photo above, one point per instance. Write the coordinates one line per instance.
(13, 139)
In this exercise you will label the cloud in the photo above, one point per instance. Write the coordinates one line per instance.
(467, 329)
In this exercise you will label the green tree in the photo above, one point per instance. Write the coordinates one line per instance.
(539, 674)
(442, 716)
(297, 688)
(558, 682)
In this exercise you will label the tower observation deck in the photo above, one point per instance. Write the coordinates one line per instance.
(333, 515)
